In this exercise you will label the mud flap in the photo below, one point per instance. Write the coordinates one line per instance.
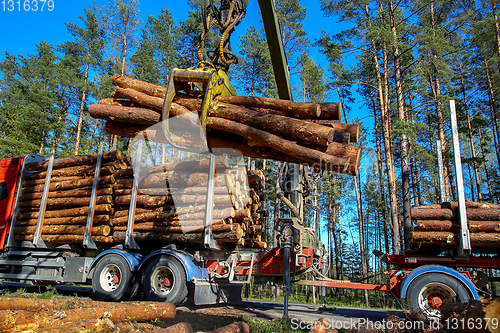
(216, 293)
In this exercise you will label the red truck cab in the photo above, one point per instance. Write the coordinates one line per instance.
(10, 171)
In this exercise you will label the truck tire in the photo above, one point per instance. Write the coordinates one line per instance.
(164, 280)
(112, 279)
(428, 292)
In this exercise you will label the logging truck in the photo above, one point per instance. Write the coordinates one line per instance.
(64, 221)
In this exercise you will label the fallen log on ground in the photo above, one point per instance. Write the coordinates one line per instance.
(16, 320)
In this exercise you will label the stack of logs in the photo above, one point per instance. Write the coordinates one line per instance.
(258, 127)
(68, 200)
(439, 225)
(170, 203)
(170, 206)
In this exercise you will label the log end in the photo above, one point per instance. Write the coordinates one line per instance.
(330, 111)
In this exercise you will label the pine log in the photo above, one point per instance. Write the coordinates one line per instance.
(471, 204)
(118, 102)
(194, 238)
(37, 304)
(67, 201)
(134, 115)
(144, 87)
(72, 161)
(102, 230)
(63, 239)
(216, 228)
(481, 313)
(167, 191)
(352, 152)
(352, 129)
(80, 192)
(444, 238)
(15, 320)
(476, 214)
(98, 219)
(289, 108)
(68, 185)
(178, 328)
(337, 164)
(78, 170)
(293, 128)
(145, 200)
(141, 98)
(221, 164)
(184, 213)
(447, 225)
(99, 209)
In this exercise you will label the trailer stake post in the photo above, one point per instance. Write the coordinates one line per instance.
(464, 247)
(37, 237)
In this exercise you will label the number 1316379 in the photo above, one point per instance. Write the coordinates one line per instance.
(27, 5)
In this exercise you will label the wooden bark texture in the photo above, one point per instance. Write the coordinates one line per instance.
(265, 127)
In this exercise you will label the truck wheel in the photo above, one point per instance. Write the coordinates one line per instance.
(112, 278)
(164, 280)
(429, 292)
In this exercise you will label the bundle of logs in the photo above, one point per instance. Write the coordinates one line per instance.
(439, 225)
(257, 127)
(170, 202)
(68, 199)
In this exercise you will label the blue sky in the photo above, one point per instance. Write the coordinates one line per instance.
(21, 31)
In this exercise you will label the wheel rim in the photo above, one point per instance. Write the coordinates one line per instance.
(162, 280)
(110, 278)
(432, 298)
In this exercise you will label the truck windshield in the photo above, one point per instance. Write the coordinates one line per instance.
(3, 191)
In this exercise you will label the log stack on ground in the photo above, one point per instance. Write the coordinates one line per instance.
(438, 226)
(171, 204)
(256, 126)
(68, 199)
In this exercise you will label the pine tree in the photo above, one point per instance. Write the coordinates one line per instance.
(156, 54)
(85, 55)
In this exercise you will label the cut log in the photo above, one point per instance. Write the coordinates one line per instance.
(81, 192)
(185, 213)
(216, 228)
(63, 239)
(132, 115)
(162, 191)
(352, 129)
(484, 314)
(195, 238)
(289, 108)
(102, 230)
(13, 320)
(145, 200)
(98, 219)
(323, 161)
(447, 225)
(68, 185)
(73, 161)
(37, 304)
(476, 214)
(67, 201)
(144, 87)
(444, 238)
(79, 170)
(293, 128)
(99, 209)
